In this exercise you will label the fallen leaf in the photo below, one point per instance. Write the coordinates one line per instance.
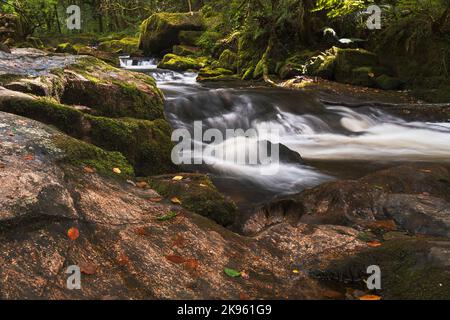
(295, 271)
(175, 200)
(142, 231)
(370, 297)
(388, 225)
(232, 273)
(73, 234)
(175, 259)
(142, 185)
(426, 171)
(374, 244)
(371, 75)
(88, 269)
(117, 171)
(29, 157)
(168, 216)
(2, 166)
(123, 259)
(245, 275)
(243, 296)
(203, 185)
(331, 294)
(156, 200)
(11, 134)
(177, 178)
(191, 264)
(89, 170)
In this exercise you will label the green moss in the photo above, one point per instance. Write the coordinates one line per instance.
(216, 74)
(160, 32)
(66, 48)
(197, 194)
(178, 63)
(189, 38)
(126, 45)
(248, 74)
(386, 82)
(408, 270)
(183, 50)
(83, 154)
(228, 60)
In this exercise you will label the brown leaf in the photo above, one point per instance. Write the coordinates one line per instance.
(142, 185)
(243, 296)
(73, 233)
(175, 200)
(331, 294)
(388, 225)
(374, 244)
(245, 275)
(2, 166)
(191, 264)
(89, 170)
(88, 269)
(123, 259)
(175, 259)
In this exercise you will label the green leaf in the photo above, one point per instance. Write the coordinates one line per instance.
(232, 273)
(168, 216)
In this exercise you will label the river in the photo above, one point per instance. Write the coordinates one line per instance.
(335, 142)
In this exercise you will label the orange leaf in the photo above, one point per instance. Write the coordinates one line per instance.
(191, 264)
(123, 259)
(175, 200)
(389, 225)
(370, 297)
(176, 259)
(374, 244)
(117, 171)
(73, 234)
(89, 170)
(88, 269)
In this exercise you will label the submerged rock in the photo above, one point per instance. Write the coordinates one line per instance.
(160, 32)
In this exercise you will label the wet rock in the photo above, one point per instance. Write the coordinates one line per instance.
(160, 32)
(180, 63)
(411, 269)
(123, 249)
(415, 196)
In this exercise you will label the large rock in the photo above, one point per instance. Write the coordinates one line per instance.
(160, 32)
(124, 250)
(88, 99)
(415, 197)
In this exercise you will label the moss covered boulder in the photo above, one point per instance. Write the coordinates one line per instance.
(83, 81)
(189, 38)
(145, 144)
(127, 45)
(160, 32)
(197, 194)
(216, 74)
(179, 63)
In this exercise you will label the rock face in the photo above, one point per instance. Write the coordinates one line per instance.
(160, 32)
(87, 99)
(416, 197)
(124, 249)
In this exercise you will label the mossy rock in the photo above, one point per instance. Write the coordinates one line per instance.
(197, 194)
(160, 32)
(108, 57)
(349, 60)
(183, 50)
(110, 91)
(412, 269)
(189, 38)
(82, 154)
(126, 45)
(386, 82)
(179, 63)
(228, 60)
(146, 144)
(216, 74)
(66, 48)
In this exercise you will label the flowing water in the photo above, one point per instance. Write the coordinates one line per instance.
(334, 141)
